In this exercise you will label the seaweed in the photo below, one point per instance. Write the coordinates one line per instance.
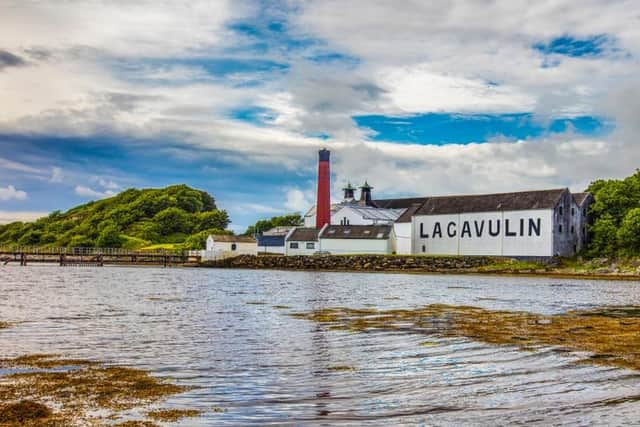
(86, 388)
(611, 334)
(173, 414)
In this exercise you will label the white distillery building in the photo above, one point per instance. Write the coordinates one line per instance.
(530, 223)
(541, 223)
(357, 239)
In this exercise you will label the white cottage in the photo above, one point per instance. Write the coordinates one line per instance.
(302, 241)
(225, 246)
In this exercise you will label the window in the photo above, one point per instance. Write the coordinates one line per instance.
(560, 210)
(347, 231)
(234, 246)
(293, 245)
(424, 248)
(367, 231)
(380, 235)
(584, 212)
(332, 232)
(573, 230)
(573, 211)
(560, 228)
(311, 245)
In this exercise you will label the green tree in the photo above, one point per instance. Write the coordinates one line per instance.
(276, 221)
(109, 237)
(173, 220)
(629, 233)
(213, 219)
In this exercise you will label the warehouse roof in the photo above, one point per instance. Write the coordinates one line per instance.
(409, 212)
(523, 200)
(399, 203)
(376, 214)
(580, 198)
(304, 234)
(373, 232)
(334, 208)
(232, 239)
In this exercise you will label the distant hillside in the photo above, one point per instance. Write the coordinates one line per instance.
(132, 219)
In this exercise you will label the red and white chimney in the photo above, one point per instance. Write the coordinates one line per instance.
(323, 204)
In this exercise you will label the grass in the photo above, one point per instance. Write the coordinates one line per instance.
(512, 265)
(611, 334)
(78, 393)
(167, 246)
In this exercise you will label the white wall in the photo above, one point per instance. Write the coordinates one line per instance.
(356, 246)
(469, 234)
(302, 248)
(402, 231)
(310, 221)
(271, 249)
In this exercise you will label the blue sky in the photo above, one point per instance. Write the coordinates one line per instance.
(236, 98)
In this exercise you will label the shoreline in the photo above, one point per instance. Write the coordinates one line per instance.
(548, 274)
(464, 265)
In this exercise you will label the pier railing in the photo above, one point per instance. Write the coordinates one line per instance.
(89, 251)
(96, 256)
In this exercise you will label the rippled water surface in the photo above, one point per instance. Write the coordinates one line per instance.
(228, 332)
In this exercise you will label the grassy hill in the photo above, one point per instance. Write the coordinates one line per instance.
(175, 216)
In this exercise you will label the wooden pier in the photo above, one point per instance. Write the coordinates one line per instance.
(95, 257)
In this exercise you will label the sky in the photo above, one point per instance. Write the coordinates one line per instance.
(236, 97)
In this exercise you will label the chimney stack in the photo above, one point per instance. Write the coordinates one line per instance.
(323, 204)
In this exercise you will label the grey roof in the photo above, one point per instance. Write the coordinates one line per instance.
(409, 212)
(334, 208)
(399, 203)
(580, 198)
(304, 234)
(523, 200)
(376, 214)
(232, 239)
(278, 231)
(369, 232)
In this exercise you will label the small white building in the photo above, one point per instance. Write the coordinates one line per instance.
(302, 241)
(225, 246)
(357, 239)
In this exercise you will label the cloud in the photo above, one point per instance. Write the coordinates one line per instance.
(256, 208)
(56, 175)
(298, 200)
(153, 75)
(10, 193)
(24, 216)
(18, 166)
(8, 59)
(83, 191)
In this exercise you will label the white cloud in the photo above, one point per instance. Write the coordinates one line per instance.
(56, 175)
(18, 167)
(24, 216)
(10, 193)
(298, 200)
(255, 208)
(83, 191)
(424, 56)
